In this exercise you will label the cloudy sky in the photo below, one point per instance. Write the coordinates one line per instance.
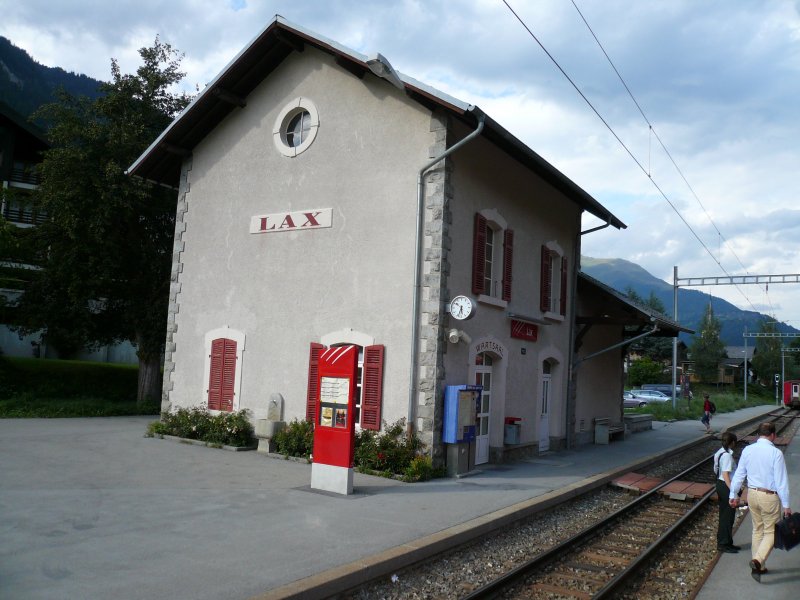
(718, 81)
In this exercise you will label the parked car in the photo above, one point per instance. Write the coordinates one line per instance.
(639, 398)
(664, 388)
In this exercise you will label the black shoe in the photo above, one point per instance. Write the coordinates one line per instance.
(755, 570)
(728, 549)
(735, 547)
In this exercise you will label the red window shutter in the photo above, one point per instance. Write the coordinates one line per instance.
(508, 257)
(372, 394)
(215, 374)
(563, 285)
(228, 375)
(222, 374)
(312, 395)
(479, 254)
(547, 278)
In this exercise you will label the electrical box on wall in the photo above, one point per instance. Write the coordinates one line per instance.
(461, 403)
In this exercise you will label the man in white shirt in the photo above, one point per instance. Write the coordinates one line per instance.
(768, 489)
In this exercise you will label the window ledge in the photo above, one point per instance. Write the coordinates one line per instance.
(492, 301)
(551, 316)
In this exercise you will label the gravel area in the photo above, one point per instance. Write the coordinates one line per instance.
(680, 569)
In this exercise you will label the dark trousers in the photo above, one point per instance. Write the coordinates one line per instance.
(727, 515)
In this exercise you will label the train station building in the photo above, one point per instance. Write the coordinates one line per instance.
(324, 199)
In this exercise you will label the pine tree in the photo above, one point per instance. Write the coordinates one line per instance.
(707, 349)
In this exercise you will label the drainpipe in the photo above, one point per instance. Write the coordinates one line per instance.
(617, 345)
(415, 316)
(598, 228)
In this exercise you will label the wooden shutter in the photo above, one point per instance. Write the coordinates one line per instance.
(508, 257)
(222, 374)
(564, 279)
(372, 394)
(479, 254)
(547, 278)
(312, 394)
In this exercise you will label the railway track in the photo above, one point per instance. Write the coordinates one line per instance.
(674, 569)
(599, 561)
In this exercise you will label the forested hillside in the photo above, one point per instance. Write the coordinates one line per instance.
(622, 274)
(25, 84)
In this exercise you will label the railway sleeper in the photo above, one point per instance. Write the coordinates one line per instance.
(561, 592)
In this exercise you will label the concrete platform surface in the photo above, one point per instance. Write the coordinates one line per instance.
(731, 577)
(89, 508)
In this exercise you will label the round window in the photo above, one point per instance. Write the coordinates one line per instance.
(296, 127)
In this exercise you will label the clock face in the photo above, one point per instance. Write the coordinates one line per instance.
(461, 307)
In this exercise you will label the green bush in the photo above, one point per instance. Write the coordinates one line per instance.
(196, 423)
(389, 452)
(297, 439)
(421, 469)
(48, 378)
(43, 388)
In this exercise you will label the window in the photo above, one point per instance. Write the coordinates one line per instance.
(296, 127)
(222, 375)
(492, 256)
(368, 390)
(553, 288)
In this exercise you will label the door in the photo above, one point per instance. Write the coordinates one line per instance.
(544, 412)
(483, 377)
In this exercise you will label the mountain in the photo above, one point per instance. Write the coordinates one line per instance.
(25, 84)
(621, 274)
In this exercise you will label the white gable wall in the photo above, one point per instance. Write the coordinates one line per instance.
(284, 290)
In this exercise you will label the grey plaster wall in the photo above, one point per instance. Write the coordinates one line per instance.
(284, 290)
(485, 178)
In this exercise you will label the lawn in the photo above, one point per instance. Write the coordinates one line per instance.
(33, 387)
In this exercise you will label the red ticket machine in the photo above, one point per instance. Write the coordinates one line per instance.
(334, 431)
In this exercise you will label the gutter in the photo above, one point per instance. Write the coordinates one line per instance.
(415, 316)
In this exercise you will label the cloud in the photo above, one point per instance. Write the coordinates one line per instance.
(718, 81)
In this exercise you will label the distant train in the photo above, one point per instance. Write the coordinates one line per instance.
(791, 393)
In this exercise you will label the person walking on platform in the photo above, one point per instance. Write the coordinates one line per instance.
(706, 419)
(768, 489)
(724, 468)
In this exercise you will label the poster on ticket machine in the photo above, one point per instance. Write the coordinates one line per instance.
(334, 433)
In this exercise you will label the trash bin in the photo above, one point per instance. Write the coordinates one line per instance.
(512, 427)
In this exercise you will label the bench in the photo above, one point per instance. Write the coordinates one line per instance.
(638, 422)
(605, 431)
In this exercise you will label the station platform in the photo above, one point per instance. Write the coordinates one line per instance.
(89, 508)
(731, 575)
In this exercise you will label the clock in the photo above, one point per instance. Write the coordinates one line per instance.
(462, 308)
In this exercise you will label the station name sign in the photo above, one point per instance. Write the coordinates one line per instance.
(299, 220)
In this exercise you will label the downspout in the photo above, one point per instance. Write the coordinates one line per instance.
(415, 316)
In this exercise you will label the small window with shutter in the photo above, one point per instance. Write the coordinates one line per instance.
(554, 276)
(492, 256)
(222, 375)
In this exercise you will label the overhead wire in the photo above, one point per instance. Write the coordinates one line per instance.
(625, 147)
(653, 132)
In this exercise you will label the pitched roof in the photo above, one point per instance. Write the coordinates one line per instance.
(161, 162)
(615, 308)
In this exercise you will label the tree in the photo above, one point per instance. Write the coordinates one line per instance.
(707, 349)
(658, 349)
(767, 358)
(106, 273)
(643, 371)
